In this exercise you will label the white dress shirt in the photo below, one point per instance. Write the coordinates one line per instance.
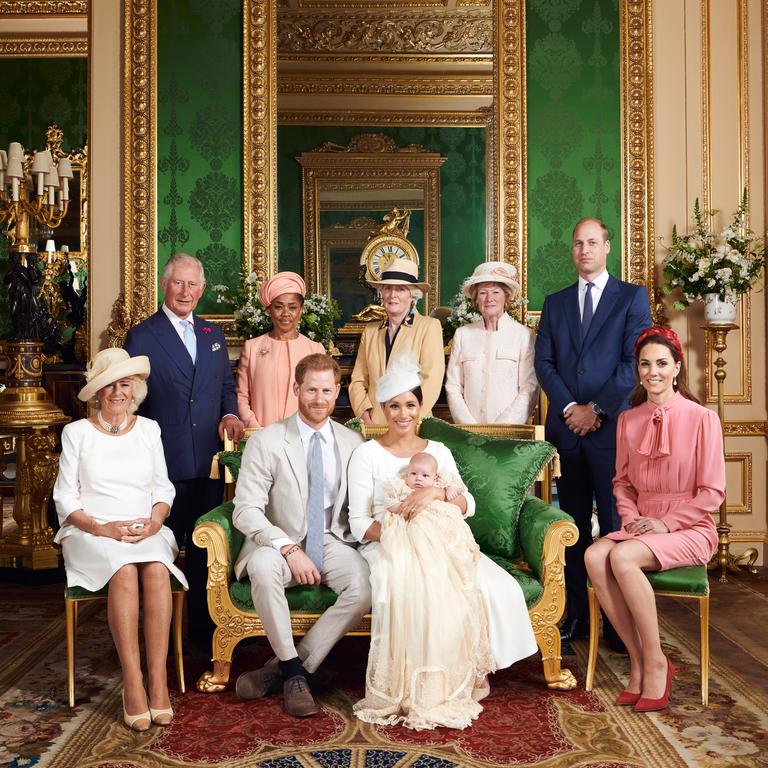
(176, 321)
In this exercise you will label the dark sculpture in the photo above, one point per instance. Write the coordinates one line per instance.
(23, 279)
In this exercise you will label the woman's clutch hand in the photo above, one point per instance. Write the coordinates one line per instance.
(137, 530)
(418, 501)
(646, 525)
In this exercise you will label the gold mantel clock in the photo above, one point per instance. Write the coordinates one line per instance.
(387, 243)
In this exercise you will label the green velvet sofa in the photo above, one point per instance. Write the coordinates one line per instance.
(524, 534)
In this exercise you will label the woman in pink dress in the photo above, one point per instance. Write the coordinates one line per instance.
(670, 478)
(265, 371)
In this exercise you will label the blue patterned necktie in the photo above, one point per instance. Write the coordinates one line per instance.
(190, 340)
(316, 522)
(586, 315)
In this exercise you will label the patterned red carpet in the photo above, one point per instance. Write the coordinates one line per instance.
(523, 723)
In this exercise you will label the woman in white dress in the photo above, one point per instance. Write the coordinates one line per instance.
(490, 377)
(112, 496)
(421, 617)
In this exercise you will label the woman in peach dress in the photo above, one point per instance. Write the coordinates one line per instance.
(670, 478)
(265, 371)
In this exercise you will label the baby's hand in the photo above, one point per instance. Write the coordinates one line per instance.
(451, 492)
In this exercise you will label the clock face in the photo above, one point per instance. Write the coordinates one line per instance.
(382, 250)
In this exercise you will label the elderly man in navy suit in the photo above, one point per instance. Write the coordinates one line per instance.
(192, 396)
(585, 365)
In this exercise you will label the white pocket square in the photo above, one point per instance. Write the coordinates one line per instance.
(215, 347)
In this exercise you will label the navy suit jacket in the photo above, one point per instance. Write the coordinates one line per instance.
(600, 369)
(188, 401)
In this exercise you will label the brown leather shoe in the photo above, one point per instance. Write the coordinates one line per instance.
(259, 682)
(297, 698)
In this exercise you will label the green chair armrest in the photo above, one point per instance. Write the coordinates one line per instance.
(536, 516)
(222, 515)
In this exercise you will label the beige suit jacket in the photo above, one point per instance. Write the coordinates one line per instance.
(490, 377)
(273, 489)
(423, 340)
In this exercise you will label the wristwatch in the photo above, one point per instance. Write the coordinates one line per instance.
(598, 411)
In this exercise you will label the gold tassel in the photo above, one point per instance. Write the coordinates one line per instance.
(215, 467)
(556, 465)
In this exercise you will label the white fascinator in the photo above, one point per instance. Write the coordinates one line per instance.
(402, 375)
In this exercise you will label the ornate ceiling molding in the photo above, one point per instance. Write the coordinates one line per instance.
(405, 84)
(458, 32)
(480, 118)
(43, 46)
(45, 8)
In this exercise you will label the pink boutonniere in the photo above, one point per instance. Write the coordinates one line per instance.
(206, 329)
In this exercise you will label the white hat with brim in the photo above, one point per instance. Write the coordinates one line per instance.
(402, 375)
(400, 272)
(493, 272)
(111, 365)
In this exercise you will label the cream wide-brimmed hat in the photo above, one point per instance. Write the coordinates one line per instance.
(402, 375)
(493, 272)
(111, 365)
(400, 272)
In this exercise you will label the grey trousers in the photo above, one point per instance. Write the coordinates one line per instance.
(344, 571)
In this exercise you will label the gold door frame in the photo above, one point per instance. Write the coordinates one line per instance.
(507, 148)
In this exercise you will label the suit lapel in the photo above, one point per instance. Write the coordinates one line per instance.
(294, 451)
(604, 310)
(344, 451)
(573, 315)
(204, 344)
(170, 341)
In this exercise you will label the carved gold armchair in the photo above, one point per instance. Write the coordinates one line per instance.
(498, 463)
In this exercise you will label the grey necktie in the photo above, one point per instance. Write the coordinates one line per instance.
(190, 340)
(316, 521)
(586, 315)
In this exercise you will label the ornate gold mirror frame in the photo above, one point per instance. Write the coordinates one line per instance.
(371, 163)
(507, 146)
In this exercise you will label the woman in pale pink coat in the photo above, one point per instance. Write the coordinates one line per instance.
(267, 363)
(490, 377)
(670, 478)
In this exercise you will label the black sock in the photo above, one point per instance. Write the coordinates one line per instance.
(291, 668)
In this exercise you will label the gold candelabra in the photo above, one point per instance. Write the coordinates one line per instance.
(34, 188)
(723, 559)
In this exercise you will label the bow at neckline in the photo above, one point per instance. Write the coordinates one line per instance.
(655, 443)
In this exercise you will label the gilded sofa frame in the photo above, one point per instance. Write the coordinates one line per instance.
(234, 624)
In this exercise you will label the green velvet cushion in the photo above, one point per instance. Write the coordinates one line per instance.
(689, 580)
(307, 599)
(536, 516)
(498, 473)
(80, 593)
(532, 589)
(223, 516)
(231, 460)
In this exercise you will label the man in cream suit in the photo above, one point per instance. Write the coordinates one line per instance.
(291, 504)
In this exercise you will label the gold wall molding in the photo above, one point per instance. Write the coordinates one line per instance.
(45, 7)
(139, 149)
(743, 371)
(637, 146)
(400, 84)
(744, 505)
(371, 58)
(260, 137)
(706, 145)
(749, 537)
(478, 119)
(745, 429)
(43, 46)
(408, 32)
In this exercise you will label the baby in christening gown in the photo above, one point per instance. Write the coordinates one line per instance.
(430, 651)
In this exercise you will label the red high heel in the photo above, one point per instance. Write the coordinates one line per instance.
(653, 705)
(627, 698)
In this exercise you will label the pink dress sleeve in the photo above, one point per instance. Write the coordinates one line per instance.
(710, 477)
(244, 388)
(623, 490)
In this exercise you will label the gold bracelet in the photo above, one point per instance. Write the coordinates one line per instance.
(294, 548)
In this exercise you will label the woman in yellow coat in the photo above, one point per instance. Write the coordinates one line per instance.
(265, 371)
(404, 332)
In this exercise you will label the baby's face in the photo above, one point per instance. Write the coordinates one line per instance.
(421, 474)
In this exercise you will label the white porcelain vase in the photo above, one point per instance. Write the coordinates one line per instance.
(718, 311)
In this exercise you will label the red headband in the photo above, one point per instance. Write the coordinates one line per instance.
(665, 333)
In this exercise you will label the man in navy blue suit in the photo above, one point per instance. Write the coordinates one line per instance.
(192, 396)
(584, 363)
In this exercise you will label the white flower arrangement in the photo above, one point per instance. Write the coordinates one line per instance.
(726, 263)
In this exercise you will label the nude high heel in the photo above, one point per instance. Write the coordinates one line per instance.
(140, 722)
(161, 716)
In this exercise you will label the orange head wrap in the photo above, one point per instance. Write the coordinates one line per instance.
(282, 282)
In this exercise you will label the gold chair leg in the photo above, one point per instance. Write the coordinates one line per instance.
(70, 610)
(178, 613)
(704, 622)
(594, 636)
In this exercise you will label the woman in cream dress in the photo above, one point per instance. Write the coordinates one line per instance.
(265, 371)
(490, 377)
(112, 496)
(444, 646)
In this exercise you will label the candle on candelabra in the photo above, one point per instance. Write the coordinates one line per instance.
(50, 249)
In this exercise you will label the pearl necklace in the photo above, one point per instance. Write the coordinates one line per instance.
(113, 429)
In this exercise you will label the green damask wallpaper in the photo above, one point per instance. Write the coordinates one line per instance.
(199, 137)
(574, 134)
(462, 192)
(35, 93)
